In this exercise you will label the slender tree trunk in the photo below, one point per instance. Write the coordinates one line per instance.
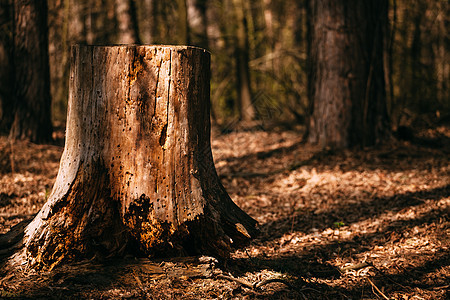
(137, 164)
(89, 24)
(32, 76)
(416, 85)
(183, 24)
(442, 63)
(128, 32)
(77, 32)
(348, 87)
(246, 108)
(159, 19)
(146, 20)
(198, 24)
(268, 20)
(389, 60)
(196, 16)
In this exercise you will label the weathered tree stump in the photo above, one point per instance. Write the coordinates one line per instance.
(137, 169)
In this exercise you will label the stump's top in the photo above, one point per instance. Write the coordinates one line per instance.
(172, 47)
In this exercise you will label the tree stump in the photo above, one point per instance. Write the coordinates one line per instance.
(137, 169)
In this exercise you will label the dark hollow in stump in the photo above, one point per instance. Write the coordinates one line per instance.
(137, 167)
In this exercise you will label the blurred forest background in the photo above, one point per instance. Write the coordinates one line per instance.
(334, 224)
(259, 49)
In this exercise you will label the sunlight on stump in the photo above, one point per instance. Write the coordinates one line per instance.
(137, 171)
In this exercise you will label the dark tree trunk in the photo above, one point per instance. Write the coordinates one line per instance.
(6, 96)
(137, 164)
(348, 88)
(128, 32)
(246, 108)
(32, 119)
(196, 13)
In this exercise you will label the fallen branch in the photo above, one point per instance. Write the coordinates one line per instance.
(240, 281)
(377, 289)
(257, 285)
(387, 277)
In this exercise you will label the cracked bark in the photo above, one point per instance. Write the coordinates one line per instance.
(31, 76)
(347, 85)
(137, 170)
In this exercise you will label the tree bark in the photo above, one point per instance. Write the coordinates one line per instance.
(6, 68)
(348, 88)
(137, 169)
(32, 119)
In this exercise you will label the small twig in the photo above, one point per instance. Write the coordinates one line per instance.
(252, 260)
(387, 277)
(257, 285)
(441, 287)
(240, 281)
(139, 282)
(11, 157)
(377, 289)
(264, 282)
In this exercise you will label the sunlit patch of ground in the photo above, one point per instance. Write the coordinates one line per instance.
(27, 173)
(362, 224)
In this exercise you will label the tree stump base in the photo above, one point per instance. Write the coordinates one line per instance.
(137, 171)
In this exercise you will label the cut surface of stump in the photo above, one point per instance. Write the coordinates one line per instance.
(137, 169)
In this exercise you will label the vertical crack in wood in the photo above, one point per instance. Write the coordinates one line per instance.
(130, 75)
(156, 87)
(173, 145)
(163, 135)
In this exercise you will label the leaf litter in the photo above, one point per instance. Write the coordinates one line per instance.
(353, 224)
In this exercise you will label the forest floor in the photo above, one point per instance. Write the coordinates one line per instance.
(359, 224)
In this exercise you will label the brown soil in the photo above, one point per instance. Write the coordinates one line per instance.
(361, 224)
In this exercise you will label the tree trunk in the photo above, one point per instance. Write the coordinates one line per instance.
(6, 90)
(348, 88)
(146, 20)
(183, 24)
(196, 17)
(137, 168)
(77, 32)
(128, 32)
(443, 53)
(32, 76)
(246, 108)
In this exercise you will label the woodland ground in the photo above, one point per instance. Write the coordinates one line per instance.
(360, 224)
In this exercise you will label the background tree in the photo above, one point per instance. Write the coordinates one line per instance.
(420, 63)
(197, 21)
(416, 48)
(6, 99)
(146, 19)
(32, 116)
(127, 22)
(348, 88)
(243, 82)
